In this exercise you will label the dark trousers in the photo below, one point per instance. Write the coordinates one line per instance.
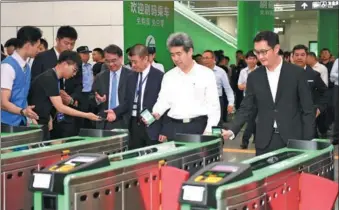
(330, 108)
(276, 143)
(195, 126)
(336, 122)
(138, 135)
(87, 105)
(223, 111)
(46, 134)
(250, 129)
(64, 129)
(239, 95)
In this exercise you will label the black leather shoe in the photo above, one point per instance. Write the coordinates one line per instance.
(243, 146)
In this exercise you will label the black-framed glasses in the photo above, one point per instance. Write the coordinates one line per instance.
(261, 52)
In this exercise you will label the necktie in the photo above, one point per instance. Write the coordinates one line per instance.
(139, 95)
(113, 101)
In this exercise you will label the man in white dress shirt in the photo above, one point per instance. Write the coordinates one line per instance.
(189, 91)
(208, 59)
(315, 65)
(152, 54)
(251, 61)
(334, 79)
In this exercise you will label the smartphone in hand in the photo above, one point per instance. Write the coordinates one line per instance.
(216, 130)
(147, 117)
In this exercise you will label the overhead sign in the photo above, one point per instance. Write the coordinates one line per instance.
(315, 5)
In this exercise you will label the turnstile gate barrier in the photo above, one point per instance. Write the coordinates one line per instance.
(274, 184)
(17, 165)
(18, 135)
(133, 179)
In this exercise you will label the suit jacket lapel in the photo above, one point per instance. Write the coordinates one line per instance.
(267, 86)
(282, 79)
(106, 80)
(148, 84)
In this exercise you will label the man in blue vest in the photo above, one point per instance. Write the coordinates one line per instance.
(16, 78)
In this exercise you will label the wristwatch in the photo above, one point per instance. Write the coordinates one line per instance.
(22, 112)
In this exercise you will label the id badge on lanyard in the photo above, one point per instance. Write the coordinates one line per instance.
(60, 116)
(137, 91)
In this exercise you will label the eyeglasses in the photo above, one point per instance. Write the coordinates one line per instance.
(261, 52)
(111, 61)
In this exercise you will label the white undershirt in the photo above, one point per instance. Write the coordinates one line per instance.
(273, 80)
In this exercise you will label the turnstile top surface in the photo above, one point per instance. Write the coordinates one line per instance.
(5, 134)
(54, 145)
(172, 149)
(270, 170)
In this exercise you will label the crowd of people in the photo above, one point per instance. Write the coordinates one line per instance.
(279, 95)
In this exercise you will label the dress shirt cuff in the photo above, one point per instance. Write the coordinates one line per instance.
(158, 110)
(230, 104)
(232, 136)
(98, 102)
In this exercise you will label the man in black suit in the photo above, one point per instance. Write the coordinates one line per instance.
(336, 125)
(143, 87)
(110, 88)
(278, 92)
(317, 85)
(70, 89)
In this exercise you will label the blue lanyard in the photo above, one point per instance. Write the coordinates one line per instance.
(58, 79)
(137, 91)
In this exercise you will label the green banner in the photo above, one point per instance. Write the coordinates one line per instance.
(149, 23)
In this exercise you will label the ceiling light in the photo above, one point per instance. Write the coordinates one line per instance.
(283, 21)
(277, 18)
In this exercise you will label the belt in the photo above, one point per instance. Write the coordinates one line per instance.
(189, 120)
(276, 130)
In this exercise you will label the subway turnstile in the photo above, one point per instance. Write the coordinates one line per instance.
(131, 182)
(18, 135)
(17, 165)
(267, 182)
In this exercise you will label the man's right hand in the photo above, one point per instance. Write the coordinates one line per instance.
(156, 116)
(28, 112)
(226, 134)
(92, 116)
(99, 98)
(111, 116)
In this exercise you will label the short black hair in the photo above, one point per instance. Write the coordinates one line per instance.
(151, 50)
(2, 49)
(227, 58)
(67, 32)
(28, 34)
(70, 57)
(300, 47)
(287, 54)
(44, 43)
(281, 52)
(12, 42)
(113, 49)
(250, 54)
(239, 51)
(312, 54)
(139, 50)
(210, 51)
(100, 51)
(270, 37)
(325, 49)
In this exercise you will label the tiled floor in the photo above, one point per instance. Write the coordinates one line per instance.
(233, 153)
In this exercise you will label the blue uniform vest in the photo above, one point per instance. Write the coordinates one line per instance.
(20, 90)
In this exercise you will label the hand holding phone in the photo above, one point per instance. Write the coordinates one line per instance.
(147, 117)
(216, 131)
